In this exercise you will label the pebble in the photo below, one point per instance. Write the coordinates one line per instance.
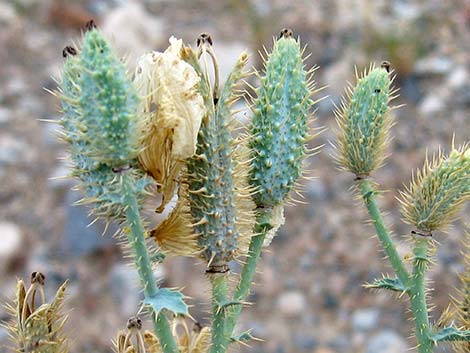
(292, 303)
(227, 55)
(10, 244)
(79, 237)
(387, 341)
(305, 343)
(125, 288)
(4, 116)
(457, 77)
(13, 150)
(365, 319)
(435, 65)
(142, 33)
(431, 104)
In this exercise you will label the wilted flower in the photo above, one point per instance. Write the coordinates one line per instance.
(172, 111)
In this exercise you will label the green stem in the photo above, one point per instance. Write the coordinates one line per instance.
(418, 297)
(136, 239)
(262, 226)
(219, 298)
(368, 195)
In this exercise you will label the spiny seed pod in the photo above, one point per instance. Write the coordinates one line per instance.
(37, 329)
(364, 122)
(92, 97)
(280, 124)
(211, 177)
(437, 192)
(107, 102)
(214, 197)
(172, 111)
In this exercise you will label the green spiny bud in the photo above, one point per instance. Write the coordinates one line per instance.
(107, 102)
(436, 194)
(86, 119)
(216, 200)
(364, 122)
(279, 127)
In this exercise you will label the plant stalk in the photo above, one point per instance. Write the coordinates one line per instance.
(262, 226)
(418, 297)
(219, 298)
(136, 239)
(368, 195)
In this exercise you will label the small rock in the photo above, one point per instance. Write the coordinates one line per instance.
(227, 55)
(305, 343)
(10, 244)
(316, 190)
(125, 288)
(436, 65)
(365, 319)
(4, 115)
(458, 77)
(387, 342)
(8, 15)
(431, 104)
(292, 303)
(59, 179)
(13, 150)
(142, 33)
(80, 238)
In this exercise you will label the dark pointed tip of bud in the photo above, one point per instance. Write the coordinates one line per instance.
(134, 322)
(286, 33)
(38, 277)
(204, 38)
(69, 50)
(385, 65)
(90, 25)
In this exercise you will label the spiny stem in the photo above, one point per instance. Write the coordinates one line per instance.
(418, 297)
(249, 269)
(219, 298)
(135, 236)
(368, 195)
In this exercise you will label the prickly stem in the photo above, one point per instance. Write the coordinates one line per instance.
(262, 226)
(418, 297)
(368, 195)
(135, 234)
(220, 341)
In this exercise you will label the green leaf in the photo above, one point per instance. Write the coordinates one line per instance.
(451, 334)
(242, 337)
(393, 284)
(170, 300)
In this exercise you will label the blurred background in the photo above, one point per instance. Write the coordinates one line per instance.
(309, 295)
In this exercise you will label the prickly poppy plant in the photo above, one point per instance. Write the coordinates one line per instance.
(430, 203)
(169, 127)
